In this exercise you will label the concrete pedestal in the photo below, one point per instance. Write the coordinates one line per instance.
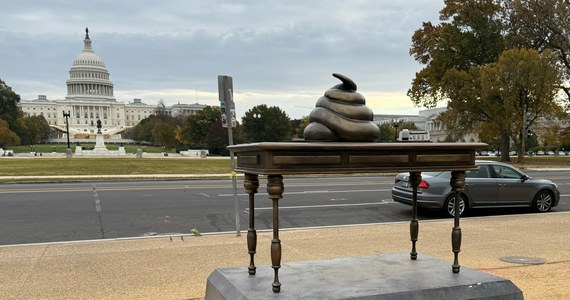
(385, 276)
(100, 143)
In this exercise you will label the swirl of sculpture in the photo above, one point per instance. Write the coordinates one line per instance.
(341, 115)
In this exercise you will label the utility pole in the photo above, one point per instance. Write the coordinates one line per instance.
(524, 135)
(68, 150)
(226, 97)
(67, 115)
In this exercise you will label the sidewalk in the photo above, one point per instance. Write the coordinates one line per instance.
(177, 267)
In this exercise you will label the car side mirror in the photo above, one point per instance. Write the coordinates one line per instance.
(525, 178)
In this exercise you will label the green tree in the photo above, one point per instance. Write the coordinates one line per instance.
(163, 133)
(470, 34)
(31, 129)
(143, 130)
(196, 129)
(7, 137)
(266, 124)
(217, 138)
(387, 133)
(565, 138)
(498, 97)
(298, 126)
(301, 130)
(158, 128)
(527, 82)
(388, 130)
(550, 139)
(8, 104)
(542, 25)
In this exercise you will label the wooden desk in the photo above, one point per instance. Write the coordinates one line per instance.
(278, 159)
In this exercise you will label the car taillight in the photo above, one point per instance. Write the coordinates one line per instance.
(424, 185)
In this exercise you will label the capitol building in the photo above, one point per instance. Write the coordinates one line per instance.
(90, 98)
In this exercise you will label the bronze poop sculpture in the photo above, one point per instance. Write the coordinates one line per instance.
(341, 115)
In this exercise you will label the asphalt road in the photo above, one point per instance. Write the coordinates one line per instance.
(54, 212)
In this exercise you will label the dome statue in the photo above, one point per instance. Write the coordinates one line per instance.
(88, 76)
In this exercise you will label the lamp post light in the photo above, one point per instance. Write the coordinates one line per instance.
(67, 115)
(396, 123)
(257, 121)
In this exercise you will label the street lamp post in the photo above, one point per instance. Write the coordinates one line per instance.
(257, 121)
(67, 115)
(396, 123)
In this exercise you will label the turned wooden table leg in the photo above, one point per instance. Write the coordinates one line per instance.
(251, 183)
(415, 179)
(275, 190)
(457, 184)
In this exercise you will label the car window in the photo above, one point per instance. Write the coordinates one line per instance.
(433, 174)
(506, 172)
(483, 172)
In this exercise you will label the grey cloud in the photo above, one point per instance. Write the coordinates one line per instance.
(264, 45)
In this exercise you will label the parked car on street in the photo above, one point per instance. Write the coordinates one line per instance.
(495, 184)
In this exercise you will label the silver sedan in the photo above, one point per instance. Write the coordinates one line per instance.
(495, 184)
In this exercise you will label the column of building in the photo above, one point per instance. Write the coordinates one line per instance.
(84, 88)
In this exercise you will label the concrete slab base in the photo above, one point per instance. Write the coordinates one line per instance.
(384, 276)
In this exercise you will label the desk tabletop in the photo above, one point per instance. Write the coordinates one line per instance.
(280, 158)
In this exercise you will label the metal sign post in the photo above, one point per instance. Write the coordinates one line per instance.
(225, 95)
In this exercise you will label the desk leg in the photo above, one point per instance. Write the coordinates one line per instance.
(275, 190)
(251, 183)
(415, 179)
(457, 184)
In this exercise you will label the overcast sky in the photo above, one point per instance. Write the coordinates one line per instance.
(279, 53)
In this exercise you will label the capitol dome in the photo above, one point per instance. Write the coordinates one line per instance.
(88, 76)
(87, 58)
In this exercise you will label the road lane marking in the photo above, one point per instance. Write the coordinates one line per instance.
(172, 187)
(315, 192)
(326, 205)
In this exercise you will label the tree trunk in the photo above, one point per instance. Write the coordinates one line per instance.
(521, 148)
(504, 147)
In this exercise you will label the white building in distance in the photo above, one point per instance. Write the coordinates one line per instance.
(90, 97)
(425, 120)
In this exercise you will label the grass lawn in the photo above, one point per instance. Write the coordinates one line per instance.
(45, 166)
(60, 148)
(11, 166)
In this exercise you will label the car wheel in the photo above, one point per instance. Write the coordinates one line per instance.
(449, 207)
(543, 201)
